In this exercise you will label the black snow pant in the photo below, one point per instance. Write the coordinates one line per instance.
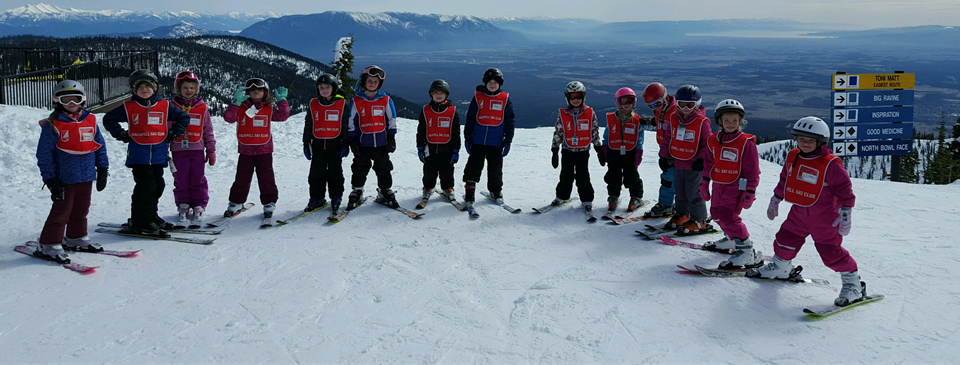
(147, 190)
(574, 166)
(326, 169)
(494, 157)
(620, 172)
(379, 159)
(438, 165)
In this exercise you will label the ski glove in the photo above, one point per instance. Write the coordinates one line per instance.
(56, 189)
(601, 154)
(170, 137)
(307, 151)
(101, 178)
(747, 199)
(698, 164)
(705, 189)
(420, 153)
(391, 143)
(281, 93)
(843, 221)
(665, 164)
(455, 158)
(211, 157)
(506, 150)
(123, 136)
(345, 151)
(239, 96)
(773, 210)
(638, 158)
(555, 160)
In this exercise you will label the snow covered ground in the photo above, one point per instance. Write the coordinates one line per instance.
(383, 288)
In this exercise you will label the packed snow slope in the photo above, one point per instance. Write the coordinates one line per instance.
(383, 288)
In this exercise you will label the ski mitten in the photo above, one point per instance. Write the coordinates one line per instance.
(55, 187)
(705, 189)
(239, 96)
(102, 178)
(843, 221)
(211, 157)
(747, 199)
(307, 151)
(773, 210)
(420, 153)
(555, 159)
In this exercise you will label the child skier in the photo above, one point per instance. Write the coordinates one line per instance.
(623, 147)
(71, 154)
(815, 181)
(487, 135)
(438, 140)
(685, 144)
(372, 130)
(323, 130)
(189, 180)
(734, 167)
(256, 110)
(664, 107)
(576, 130)
(149, 131)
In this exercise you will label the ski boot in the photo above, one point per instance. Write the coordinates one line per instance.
(354, 199)
(314, 204)
(470, 191)
(692, 227)
(82, 244)
(612, 203)
(335, 204)
(776, 269)
(722, 245)
(496, 195)
(659, 211)
(449, 194)
(588, 206)
(744, 257)
(676, 222)
(426, 193)
(635, 203)
(232, 209)
(387, 197)
(268, 210)
(162, 224)
(557, 201)
(196, 221)
(52, 252)
(852, 290)
(151, 229)
(183, 219)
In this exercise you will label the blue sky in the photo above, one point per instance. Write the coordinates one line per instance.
(851, 13)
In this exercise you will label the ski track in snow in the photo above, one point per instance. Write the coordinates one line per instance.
(380, 287)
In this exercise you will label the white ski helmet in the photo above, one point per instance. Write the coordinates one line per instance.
(812, 127)
(727, 105)
(69, 87)
(575, 87)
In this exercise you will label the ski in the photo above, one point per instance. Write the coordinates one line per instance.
(224, 220)
(102, 252)
(294, 218)
(589, 215)
(472, 211)
(177, 230)
(670, 241)
(829, 310)
(741, 273)
(455, 203)
(500, 202)
(267, 222)
(196, 241)
(423, 202)
(608, 216)
(549, 207)
(29, 250)
(341, 215)
(627, 220)
(405, 211)
(627, 213)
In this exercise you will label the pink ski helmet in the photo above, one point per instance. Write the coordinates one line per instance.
(624, 91)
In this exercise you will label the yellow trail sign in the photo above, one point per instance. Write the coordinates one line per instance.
(873, 81)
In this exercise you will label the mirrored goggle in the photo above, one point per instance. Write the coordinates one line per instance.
(656, 103)
(186, 75)
(627, 100)
(70, 99)
(687, 104)
(576, 96)
(255, 84)
(375, 71)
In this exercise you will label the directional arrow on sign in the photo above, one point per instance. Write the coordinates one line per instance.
(841, 81)
(840, 115)
(839, 150)
(840, 98)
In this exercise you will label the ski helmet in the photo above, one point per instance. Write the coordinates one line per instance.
(624, 91)
(812, 127)
(372, 70)
(493, 74)
(439, 84)
(727, 105)
(69, 87)
(144, 76)
(575, 87)
(654, 93)
(185, 76)
(256, 83)
(688, 93)
(329, 79)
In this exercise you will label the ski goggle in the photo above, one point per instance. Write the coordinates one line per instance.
(67, 99)
(656, 103)
(255, 83)
(375, 71)
(627, 100)
(688, 104)
(576, 96)
(187, 75)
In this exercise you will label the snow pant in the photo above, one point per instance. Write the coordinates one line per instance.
(725, 209)
(147, 190)
(474, 168)
(574, 166)
(326, 169)
(69, 213)
(263, 165)
(666, 188)
(620, 172)
(379, 160)
(189, 182)
(687, 186)
(803, 222)
(438, 165)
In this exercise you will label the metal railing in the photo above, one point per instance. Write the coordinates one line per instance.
(104, 79)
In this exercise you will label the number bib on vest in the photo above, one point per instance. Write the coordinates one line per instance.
(685, 142)
(623, 136)
(577, 128)
(439, 125)
(805, 177)
(254, 130)
(326, 118)
(195, 130)
(727, 157)
(373, 114)
(490, 108)
(77, 138)
(148, 125)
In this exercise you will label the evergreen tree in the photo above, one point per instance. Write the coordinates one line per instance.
(908, 167)
(955, 145)
(939, 170)
(342, 66)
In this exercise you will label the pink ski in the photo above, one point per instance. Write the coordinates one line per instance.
(83, 269)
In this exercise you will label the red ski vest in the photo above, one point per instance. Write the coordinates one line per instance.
(77, 138)
(195, 130)
(577, 129)
(728, 157)
(805, 178)
(663, 121)
(490, 108)
(148, 125)
(439, 125)
(255, 130)
(625, 134)
(373, 114)
(326, 118)
(685, 142)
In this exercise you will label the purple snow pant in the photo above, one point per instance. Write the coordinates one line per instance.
(725, 210)
(803, 222)
(71, 212)
(246, 165)
(189, 182)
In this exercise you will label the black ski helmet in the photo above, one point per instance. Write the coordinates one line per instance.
(329, 79)
(439, 84)
(493, 74)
